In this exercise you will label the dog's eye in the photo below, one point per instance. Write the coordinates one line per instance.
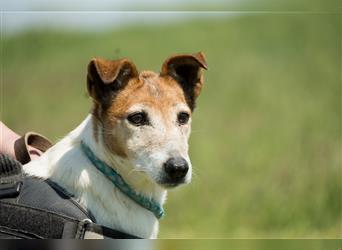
(183, 118)
(138, 119)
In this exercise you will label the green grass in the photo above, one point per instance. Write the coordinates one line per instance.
(266, 141)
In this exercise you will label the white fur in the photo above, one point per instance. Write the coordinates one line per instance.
(149, 147)
(66, 164)
(145, 150)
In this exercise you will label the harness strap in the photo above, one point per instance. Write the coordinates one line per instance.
(30, 139)
(95, 231)
(32, 223)
(10, 177)
(24, 216)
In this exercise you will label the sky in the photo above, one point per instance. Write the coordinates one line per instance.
(102, 4)
(19, 15)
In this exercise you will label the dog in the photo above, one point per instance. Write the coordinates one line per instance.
(139, 127)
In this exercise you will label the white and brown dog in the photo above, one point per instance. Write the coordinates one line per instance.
(139, 126)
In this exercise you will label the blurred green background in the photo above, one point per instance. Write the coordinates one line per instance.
(266, 140)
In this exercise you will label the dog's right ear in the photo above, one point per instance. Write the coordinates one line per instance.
(187, 70)
(106, 77)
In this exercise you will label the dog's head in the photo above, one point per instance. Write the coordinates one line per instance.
(145, 117)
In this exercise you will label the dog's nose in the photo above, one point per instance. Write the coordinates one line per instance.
(176, 168)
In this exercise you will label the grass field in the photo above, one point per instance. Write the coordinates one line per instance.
(266, 141)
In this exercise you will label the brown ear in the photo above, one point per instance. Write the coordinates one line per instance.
(106, 77)
(187, 70)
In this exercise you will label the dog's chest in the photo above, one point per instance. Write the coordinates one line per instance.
(93, 190)
(113, 209)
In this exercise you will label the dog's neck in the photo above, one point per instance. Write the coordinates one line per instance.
(66, 164)
(137, 180)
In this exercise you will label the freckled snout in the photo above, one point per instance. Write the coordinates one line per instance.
(176, 169)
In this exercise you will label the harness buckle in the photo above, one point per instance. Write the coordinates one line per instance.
(10, 190)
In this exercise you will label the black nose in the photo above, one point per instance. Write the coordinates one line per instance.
(176, 168)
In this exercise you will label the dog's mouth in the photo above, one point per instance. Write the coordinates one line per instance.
(173, 173)
(170, 185)
(167, 183)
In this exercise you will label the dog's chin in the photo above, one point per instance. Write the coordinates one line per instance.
(167, 184)
(170, 185)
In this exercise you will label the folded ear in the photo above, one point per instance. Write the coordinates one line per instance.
(106, 77)
(187, 70)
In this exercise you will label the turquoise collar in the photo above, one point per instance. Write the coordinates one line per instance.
(119, 182)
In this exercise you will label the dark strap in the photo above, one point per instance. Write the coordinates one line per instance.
(95, 231)
(36, 211)
(33, 222)
(10, 177)
(30, 139)
(28, 222)
(9, 169)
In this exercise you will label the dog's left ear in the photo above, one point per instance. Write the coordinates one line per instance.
(187, 70)
(106, 77)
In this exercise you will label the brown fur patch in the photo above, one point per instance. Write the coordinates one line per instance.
(149, 89)
(157, 92)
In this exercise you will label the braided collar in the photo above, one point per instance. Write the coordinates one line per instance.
(119, 182)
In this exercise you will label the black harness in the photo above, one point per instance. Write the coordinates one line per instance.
(32, 208)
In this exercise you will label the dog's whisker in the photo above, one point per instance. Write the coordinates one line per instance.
(195, 173)
(133, 171)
